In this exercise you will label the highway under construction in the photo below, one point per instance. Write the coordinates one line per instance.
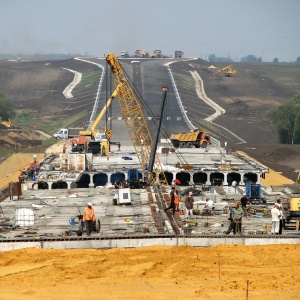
(46, 211)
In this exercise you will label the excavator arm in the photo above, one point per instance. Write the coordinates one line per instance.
(135, 121)
(228, 71)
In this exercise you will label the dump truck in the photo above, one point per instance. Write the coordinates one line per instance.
(124, 54)
(196, 138)
(138, 53)
(178, 53)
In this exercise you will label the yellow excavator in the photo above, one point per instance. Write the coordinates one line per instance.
(228, 71)
(5, 123)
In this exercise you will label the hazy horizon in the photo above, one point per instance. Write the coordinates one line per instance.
(234, 28)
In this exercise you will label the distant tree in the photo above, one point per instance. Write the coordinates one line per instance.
(214, 58)
(286, 120)
(250, 58)
(275, 60)
(298, 59)
(7, 110)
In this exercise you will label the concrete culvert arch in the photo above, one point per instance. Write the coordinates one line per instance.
(117, 176)
(59, 185)
(100, 179)
(200, 178)
(42, 185)
(169, 177)
(217, 179)
(83, 181)
(231, 177)
(184, 178)
(250, 177)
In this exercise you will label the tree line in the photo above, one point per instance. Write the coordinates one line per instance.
(286, 121)
(7, 110)
(248, 59)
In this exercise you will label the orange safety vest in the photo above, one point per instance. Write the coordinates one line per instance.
(89, 214)
(176, 200)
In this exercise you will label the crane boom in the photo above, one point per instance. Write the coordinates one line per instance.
(134, 120)
(92, 131)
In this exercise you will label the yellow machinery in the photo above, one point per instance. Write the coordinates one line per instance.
(145, 53)
(5, 123)
(197, 138)
(157, 54)
(93, 131)
(135, 121)
(228, 71)
(295, 206)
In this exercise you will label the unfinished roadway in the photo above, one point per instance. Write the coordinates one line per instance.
(143, 222)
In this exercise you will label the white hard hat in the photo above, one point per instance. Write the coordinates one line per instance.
(89, 204)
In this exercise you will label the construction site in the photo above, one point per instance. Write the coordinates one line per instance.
(126, 174)
(48, 203)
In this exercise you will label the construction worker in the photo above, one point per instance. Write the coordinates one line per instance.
(230, 219)
(237, 215)
(189, 205)
(244, 202)
(88, 218)
(172, 203)
(22, 175)
(177, 200)
(209, 206)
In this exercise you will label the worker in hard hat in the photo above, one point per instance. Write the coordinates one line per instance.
(88, 218)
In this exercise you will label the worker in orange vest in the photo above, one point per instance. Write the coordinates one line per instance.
(88, 218)
(177, 200)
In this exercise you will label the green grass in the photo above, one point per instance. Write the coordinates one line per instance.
(89, 78)
(64, 122)
(285, 75)
(23, 117)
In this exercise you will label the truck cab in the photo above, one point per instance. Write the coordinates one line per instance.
(100, 137)
(61, 134)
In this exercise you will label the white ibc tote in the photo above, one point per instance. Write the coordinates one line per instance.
(24, 217)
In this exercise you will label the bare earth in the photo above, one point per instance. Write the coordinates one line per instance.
(158, 273)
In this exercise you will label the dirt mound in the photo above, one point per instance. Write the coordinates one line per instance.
(221, 272)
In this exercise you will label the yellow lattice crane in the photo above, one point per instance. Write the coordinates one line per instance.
(228, 71)
(135, 122)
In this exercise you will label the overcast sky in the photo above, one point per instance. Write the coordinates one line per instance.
(235, 28)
